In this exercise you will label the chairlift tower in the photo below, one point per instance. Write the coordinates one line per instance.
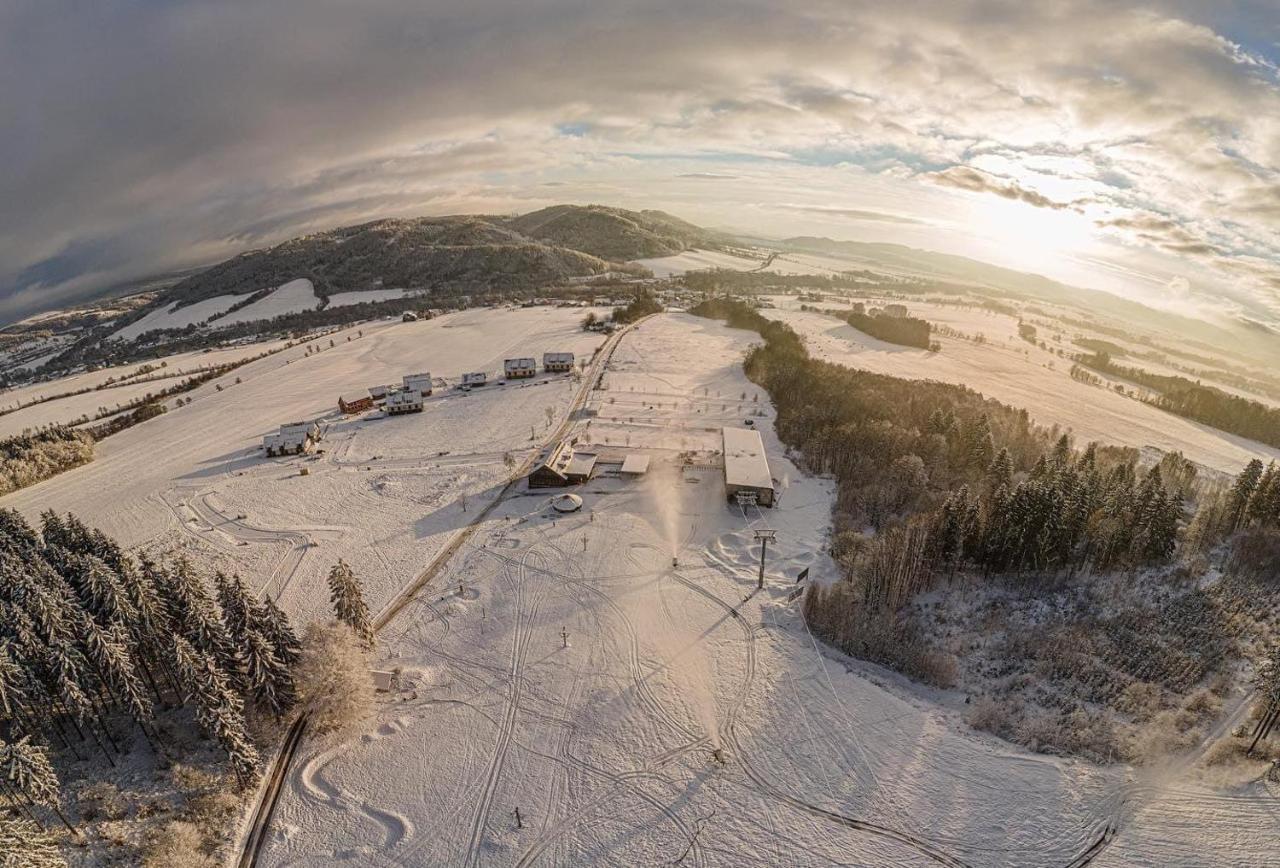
(765, 536)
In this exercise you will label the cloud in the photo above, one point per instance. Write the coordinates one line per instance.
(849, 213)
(143, 136)
(976, 181)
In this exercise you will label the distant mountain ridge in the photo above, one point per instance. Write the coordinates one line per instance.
(543, 246)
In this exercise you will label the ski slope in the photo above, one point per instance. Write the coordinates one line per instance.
(601, 735)
(604, 743)
(292, 297)
(174, 317)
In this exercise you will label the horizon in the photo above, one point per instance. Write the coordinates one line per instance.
(1125, 148)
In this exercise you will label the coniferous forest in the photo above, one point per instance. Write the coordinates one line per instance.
(937, 482)
(95, 645)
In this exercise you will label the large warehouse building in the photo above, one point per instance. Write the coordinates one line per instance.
(746, 469)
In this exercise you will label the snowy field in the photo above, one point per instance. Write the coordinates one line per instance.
(383, 496)
(174, 317)
(66, 409)
(343, 299)
(1017, 373)
(776, 262)
(564, 665)
(605, 745)
(292, 297)
(697, 260)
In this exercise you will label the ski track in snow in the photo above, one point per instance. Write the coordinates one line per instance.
(603, 745)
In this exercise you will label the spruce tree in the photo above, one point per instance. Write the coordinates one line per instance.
(219, 710)
(27, 767)
(26, 844)
(1241, 492)
(348, 602)
(274, 625)
(269, 679)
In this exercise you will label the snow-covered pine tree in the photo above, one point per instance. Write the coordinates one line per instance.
(1241, 492)
(219, 710)
(27, 767)
(274, 625)
(15, 533)
(348, 601)
(269, 680)
(26, 845)
(236, 606)
(201, 623)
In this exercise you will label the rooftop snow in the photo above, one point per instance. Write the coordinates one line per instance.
(745, 463)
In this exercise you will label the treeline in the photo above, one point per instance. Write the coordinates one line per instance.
(95, 645)
(92, 641)
(905, 330)
(642, 305)
(1206, 404)
(948, 479)
(26, 459)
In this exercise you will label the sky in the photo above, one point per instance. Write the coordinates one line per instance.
(1130, 147)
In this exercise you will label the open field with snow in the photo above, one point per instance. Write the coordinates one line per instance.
(771, 261)
(605, 745)
(602, 736)
(174, 317)
(1021, 375)
(382, 496)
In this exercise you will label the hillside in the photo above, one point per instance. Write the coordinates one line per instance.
(613, 233)
(1248, 338)
(418, 253)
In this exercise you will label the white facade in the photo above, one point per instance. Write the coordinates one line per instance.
(404, 401)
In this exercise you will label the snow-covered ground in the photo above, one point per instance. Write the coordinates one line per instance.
(696, 260)
(382, 496)
(343, 299)
(1019, 374)
(292, 297)
(73, 407)
(605, 746)
(174, 317)
(772, 261)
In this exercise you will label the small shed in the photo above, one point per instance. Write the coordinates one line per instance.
(635, 465)
(420, 383)
(561, 465)
(475, 378)
(746, 468)
(355, 402)
(404, 401)
(557, 363)
(519, 369)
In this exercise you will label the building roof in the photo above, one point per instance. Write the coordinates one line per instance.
(356, 397)
(745, 463)
(557, 357)
(580, 464)
(311, 428)
(405, 396)
(473, 375)
(412, 377)
(636, 464)
(520, 363)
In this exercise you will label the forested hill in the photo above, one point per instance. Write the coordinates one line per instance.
(459, 252)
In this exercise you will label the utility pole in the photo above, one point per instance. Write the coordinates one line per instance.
(564, 636)
(765, 536)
